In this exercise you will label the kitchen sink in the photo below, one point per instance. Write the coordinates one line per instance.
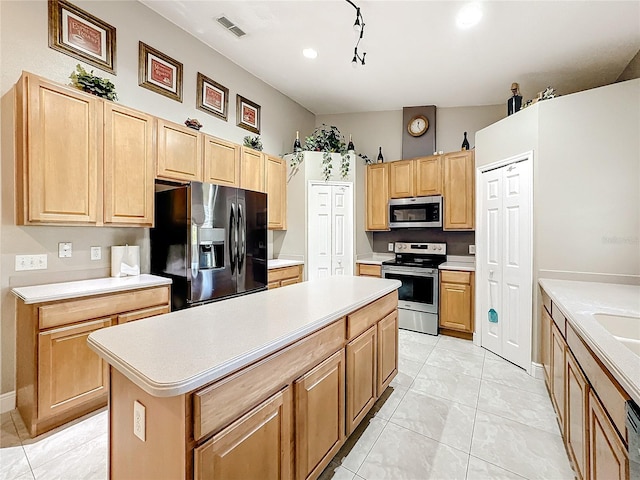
(626, 329)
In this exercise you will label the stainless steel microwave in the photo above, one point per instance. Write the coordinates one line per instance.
(415, 212)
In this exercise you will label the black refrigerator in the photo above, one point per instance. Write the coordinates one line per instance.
(210, 240)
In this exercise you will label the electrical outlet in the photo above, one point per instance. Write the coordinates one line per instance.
(139, 420)
(390, 246)
(96, 253)
(65, 249)
(472, 249)
(31, 262)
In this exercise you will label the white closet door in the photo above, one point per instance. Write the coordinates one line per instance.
(506, 270)
(319, 234)
(342, 230)
(517, 264)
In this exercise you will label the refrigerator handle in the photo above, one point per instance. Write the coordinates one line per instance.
(195, 254)
(242, 232)
(233, 233)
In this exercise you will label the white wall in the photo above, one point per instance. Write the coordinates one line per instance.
(281, 117)
(586, 195)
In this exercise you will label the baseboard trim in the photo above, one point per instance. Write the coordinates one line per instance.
(537, 370)
(7, 402)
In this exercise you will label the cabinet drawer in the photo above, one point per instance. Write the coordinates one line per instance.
(94, 307)
(278, 274)
(449, 276)
(362, 319)
(144, 313)
(546, 301)
(559, 319)
(611, 395)
(367, 270)
(220, 403)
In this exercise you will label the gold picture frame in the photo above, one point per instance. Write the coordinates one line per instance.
(81, 35)
(159, 72)
(211, 97)
(247, 114)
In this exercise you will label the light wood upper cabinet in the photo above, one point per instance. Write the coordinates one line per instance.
(59, 153)
(428, 176)
(258, 445)
(361, 376)
(221, 162)
(319, 413)
(276, 172)
(179, 152)
(459, 191)
(456, 301)
(128, 166)
(401, 179)
(252, 169)
(608, 458)
(377, 197)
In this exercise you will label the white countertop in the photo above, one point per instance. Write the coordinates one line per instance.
(459, 262)
(181, 351)
(85, 288)
(578, 301)
(375, 258)
(282, 262)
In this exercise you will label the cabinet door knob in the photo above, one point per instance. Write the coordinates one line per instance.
(490, 273)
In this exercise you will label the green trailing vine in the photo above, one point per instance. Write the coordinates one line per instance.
(326, 139)
(89, 83)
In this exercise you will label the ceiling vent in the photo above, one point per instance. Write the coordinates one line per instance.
(230, 26)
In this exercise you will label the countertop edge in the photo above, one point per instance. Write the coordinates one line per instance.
(216, 373)
(458, 266)
(155, 282)
(628, 384)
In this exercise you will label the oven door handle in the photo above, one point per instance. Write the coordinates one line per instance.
(412, 273)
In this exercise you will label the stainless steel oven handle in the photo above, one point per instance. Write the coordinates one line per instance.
(417, 272)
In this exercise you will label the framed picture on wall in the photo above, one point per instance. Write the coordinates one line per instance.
(247, 114)
(159, 72)
(212, 97)
(81, 35)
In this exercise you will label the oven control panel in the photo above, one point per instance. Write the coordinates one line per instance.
(421, 248)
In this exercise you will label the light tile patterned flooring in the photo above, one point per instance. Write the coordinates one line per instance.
(454, 411)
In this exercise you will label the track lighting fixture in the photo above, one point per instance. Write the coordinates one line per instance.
(358, 27)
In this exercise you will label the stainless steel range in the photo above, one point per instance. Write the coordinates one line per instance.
(416, 266)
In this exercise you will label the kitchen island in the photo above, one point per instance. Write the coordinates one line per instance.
(267, 385)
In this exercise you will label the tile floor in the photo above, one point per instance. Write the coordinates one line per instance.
(454, 411)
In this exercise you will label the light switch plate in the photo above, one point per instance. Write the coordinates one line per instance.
(31, 262)
(390, 246)
(472, 249)
(65, 249)
(96, 253)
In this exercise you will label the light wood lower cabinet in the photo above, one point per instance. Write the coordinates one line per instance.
(319, 411)
(69, 373)
(545, 344)
(258, 445)
(456, 301)
(608, 458)
(368, 270)
(281, 277)
(282, 417)
(361, 376)
(558, 361)
(59, 378)
(387, 350)
(577, 404)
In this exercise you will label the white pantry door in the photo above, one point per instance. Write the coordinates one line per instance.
(330, 235)
(505, 273)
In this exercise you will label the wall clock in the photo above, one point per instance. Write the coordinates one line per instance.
(418, 125)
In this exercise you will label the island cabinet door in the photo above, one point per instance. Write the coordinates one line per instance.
(558, 349)
(258, 445)
(361, 376)
(319, 413)
(387, 350)
(69, 372)
(608, 458)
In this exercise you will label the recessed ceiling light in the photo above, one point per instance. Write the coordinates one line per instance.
(469, 15)
(309, 53)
